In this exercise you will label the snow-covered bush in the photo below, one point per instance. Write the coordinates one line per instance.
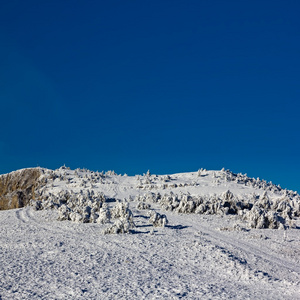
(143, 205)
(104, 214)
(158, 220)
(199, 173)
(36, 204)
(76, 217)
(80, 206)
(64, 212)
(122, 214)
(260, 218)
(259, 212)
(121, 211)
(122, 225)
(186, 205)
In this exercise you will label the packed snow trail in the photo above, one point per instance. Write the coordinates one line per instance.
(244, 246)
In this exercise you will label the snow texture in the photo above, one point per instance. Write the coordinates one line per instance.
(199, 235)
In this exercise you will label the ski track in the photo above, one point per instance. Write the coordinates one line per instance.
(248, 248)
(21, 216)
(228, 243)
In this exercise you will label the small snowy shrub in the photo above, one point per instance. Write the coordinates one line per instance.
(143, 205)
(227, 196)
(158, 220)
(121, 210)
(36, 204)
(76, 217)
(63, 213)
(260, 218)
(186, 205)
(104, 215)
(199, 173)
(122, 225)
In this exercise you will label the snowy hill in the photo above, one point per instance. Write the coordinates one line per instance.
(199, 235)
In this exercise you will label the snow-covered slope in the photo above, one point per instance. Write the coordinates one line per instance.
(200, 235)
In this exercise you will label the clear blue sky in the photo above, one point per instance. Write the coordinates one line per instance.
(170, 86)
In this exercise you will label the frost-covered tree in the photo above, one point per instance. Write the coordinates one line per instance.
(121, 210)
(121, 225)
(158, 220)
(104, 214)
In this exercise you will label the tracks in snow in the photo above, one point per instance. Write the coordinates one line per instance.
(249, 248)
(246, 251)
(22, 215)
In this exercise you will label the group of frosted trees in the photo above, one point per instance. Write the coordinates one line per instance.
(258, 211)
(88, 205)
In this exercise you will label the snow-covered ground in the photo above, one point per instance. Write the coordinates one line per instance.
(200, 235)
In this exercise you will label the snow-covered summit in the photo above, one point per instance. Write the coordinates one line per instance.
(192, 235)
(79, 195)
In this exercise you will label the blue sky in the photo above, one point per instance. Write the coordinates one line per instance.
(170, 86)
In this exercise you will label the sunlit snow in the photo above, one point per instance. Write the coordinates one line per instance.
(199, 235)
